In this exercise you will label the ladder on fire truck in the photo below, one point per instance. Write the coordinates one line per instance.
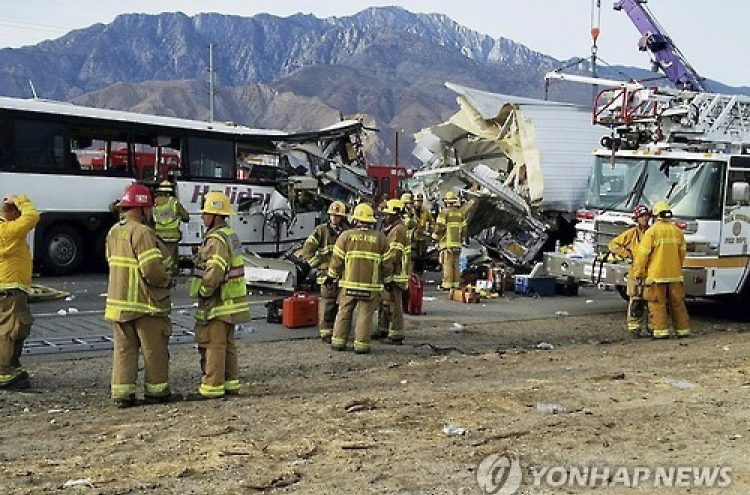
(699, 121)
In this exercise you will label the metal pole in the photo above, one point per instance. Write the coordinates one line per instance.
(211, 72)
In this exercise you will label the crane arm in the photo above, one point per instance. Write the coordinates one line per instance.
(654, 38)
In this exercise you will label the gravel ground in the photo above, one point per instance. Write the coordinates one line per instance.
(310, 420)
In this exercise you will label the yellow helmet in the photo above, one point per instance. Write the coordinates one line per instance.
(393, 207)
(406, 198)
(337, 208)
(216, 203)
(363, 213)
(450, 197)
(662, 209)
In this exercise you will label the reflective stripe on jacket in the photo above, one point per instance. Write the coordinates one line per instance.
(359, 260)
(660, 254)
(626, 244)
(167, 217)
(138, 278)
(219, 278)
(449, 228)
(15, 255)
(399, 253)
(318, 248)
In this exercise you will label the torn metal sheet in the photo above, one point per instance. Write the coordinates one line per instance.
(276, 274)
(525, 161)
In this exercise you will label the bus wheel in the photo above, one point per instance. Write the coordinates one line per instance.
(63, 250)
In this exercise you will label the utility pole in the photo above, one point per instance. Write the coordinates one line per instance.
(211, 77)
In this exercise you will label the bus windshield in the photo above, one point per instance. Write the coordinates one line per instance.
(692, 188)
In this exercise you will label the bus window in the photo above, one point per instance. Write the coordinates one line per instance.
(211, 158)
(6, 144)
(39, 146)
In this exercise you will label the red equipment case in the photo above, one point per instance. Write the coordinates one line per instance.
(416, 293)
(300, 310)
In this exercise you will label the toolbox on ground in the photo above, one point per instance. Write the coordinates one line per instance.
(543, 286)
(300, 310)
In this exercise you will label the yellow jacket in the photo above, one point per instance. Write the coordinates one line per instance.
(138, 278)
(220, 278)
(450, 228)
(399, 253)
(626, 244)
(318, 248)
(660, 254)
(15, 255)
(168, 212)
(359, 260)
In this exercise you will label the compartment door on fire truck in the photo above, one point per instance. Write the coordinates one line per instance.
(735, 227)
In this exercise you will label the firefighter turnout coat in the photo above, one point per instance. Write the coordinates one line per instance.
(399, 253)
(139, 282)
(449, 228)
(219, 278)
(359, 260)
(318, 248)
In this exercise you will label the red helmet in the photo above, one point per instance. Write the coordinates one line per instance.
(641, 211)
(135, 196)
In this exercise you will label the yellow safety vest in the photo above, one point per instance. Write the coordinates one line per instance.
(232, 302)
(167, 221)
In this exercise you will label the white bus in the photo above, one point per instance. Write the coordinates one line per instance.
(73, 162)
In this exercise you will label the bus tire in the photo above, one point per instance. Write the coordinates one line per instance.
(63, 250)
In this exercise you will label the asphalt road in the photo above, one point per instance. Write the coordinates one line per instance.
(76, 323)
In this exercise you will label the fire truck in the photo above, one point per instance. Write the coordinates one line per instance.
(388, 179)
(691, 149)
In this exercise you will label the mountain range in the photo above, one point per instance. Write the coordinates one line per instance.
(386, 65)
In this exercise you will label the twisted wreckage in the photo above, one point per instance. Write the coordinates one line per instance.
(521, 164)
(525, 164)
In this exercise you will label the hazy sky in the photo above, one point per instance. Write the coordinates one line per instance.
(713, 35)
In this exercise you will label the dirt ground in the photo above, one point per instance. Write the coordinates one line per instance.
(310, 420)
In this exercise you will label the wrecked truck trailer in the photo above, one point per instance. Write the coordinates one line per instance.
(524, 162)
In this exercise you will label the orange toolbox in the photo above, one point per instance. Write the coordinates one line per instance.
(300, 310)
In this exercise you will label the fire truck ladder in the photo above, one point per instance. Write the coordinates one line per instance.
(704, 120)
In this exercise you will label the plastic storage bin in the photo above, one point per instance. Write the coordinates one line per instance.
(543, 286)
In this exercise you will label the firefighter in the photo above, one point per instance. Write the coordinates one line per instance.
(17, 218)
(317, 252)
(138, 302)
(625, 246)
(658, 265)
(391, 318)
(421, 232)
(360, 268)
(449, 232)
(168, 213)
(219, 285)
